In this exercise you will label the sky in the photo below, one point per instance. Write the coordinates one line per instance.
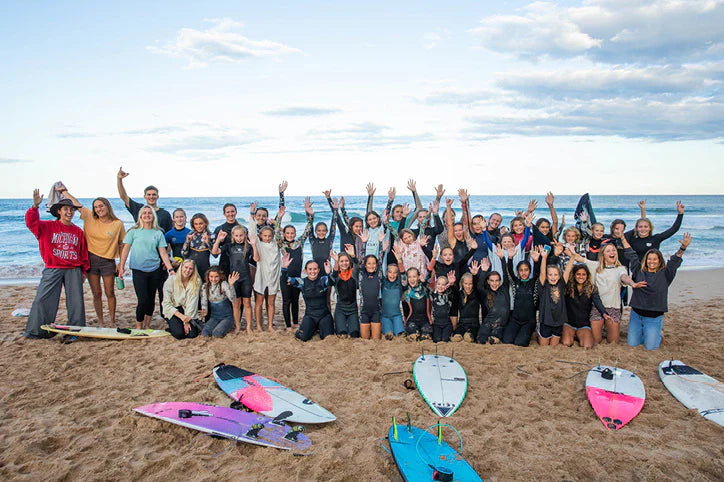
(228, 98)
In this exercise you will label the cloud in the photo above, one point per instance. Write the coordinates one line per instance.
(206, 142)
(683, 119)
(153, 130)
(8, 160)
(463, 98)
(430, 40)
(77, 135)
(611, 31)
(221, 43)
(364, 136)
(301, 111)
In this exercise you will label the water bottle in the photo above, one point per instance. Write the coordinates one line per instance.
(120, 284)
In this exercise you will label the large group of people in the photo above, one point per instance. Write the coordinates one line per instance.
(409, 271)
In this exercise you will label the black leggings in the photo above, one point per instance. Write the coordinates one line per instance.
(145, 285)
(290, 301)
(176, 327)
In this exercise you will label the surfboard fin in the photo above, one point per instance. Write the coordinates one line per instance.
(254, 430)
(394, 428)
(279, 419)
(409, 423)
(294, 432)
(423, 353)
(439, 433)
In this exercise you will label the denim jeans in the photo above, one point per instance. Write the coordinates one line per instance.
(646, 330)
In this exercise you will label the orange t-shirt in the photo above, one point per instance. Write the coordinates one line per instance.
(103, 239)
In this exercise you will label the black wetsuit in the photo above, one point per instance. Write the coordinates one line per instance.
(418, 321)
(431, 232)
(498, 304)
(226, 227)
(346, 316)
(521, 325)
(317, 315)
(239, 256)
(578, 308)
(652, 241)
(468, 314)
(441, 326)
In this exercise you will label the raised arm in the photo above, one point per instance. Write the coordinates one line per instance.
(310, 221)
(370, 196)
(543, 260)
(449, 223)
(554, 215)
(569, 268)
(282, 187)
(674, 227)
(121, 189)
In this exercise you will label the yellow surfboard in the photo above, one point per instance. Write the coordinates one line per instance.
(106, 333)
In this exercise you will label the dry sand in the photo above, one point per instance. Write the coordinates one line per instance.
(66, 409)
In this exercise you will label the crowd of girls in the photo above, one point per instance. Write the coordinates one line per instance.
(403, 271)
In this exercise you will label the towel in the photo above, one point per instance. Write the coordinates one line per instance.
(55, 196)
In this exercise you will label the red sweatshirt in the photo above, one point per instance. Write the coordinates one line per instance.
(61, 246)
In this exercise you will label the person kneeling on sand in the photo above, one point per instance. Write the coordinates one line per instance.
(65, 254)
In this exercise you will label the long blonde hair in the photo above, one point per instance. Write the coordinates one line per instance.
(139, 223)
(602, 261)
(194, 282)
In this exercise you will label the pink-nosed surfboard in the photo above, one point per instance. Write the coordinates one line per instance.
(616, 395)
(268, 397)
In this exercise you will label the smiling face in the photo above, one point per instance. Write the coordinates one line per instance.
(99, 207)
(344, 263)
(312, 270)
(494, 222)
(477, 225)
(494, 281)
(321, 231)
(392, 272)
(598, 231)
(523, 271)
(372, 220)
(617, 230)
(413, 277)
(517, 226)
(544, 228)
(266, 235)
(459, 232)
(507, 242)
(260, 216)
(66, 214)
(609, 253)
(581, 276)
(447, 256)
(652, 262)
(553, 274)
(146, 216)
(643, 228)
(357, 227)
(230, 214)
(238, 235)
(467, 285)
(407, 237)
(179, 219)
(151, 197)
(441, 284)
(187, 269)
(290, 233)
(214, 277)
(199, 225)
(371, 264)
(570, 236)
(397, 213)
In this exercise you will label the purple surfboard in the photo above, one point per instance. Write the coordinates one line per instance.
(230, 423)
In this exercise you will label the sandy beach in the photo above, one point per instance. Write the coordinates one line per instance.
(67, 409)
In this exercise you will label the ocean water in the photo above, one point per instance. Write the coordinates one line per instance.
(704, 219)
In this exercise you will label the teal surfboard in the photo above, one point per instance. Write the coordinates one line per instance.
(420, 455)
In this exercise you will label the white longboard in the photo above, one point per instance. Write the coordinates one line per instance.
(442, 382)
(694, 389)
(106, 333)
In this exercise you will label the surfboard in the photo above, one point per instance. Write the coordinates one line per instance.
(228, 423)
(441, 381)
(107, 333)
(420, 455)
(268, 397)
(616, 395)
(694, 389)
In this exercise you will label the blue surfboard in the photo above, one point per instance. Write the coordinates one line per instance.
(420, 455)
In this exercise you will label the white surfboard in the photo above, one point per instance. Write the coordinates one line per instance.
(106, 333)
(694, 389)
(442, 382)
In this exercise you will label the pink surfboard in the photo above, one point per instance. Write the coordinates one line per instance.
(616, 395)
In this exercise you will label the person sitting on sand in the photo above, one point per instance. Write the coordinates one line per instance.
(64, 252)
(181, 301)
(650, 301)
